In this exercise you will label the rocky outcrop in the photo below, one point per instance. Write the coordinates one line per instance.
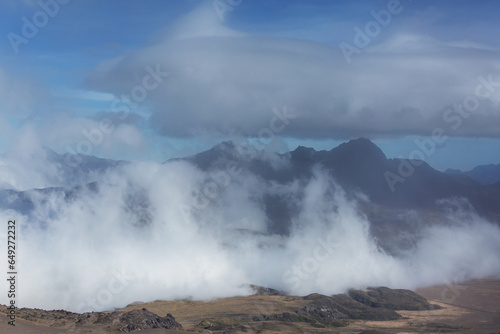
(262, 291)
(136, 320)
(343, 306)
(131, 321)
(392, 299)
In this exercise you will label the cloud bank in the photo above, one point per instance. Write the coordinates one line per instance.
(223, 81)
(142, 235)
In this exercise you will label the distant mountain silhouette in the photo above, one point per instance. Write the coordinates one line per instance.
(77, 169)
(59, 170)
(393, 186)
(359, 165)
(486, 174)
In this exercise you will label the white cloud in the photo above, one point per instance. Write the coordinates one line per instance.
(224, 82)
(112, 138)
(143, 226)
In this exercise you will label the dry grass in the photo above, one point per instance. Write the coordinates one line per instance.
(190, 313)
(475, 309)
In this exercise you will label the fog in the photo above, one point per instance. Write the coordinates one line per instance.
(151, 231)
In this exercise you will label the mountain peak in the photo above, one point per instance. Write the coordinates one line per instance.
(303, 150)
(361, 146)
(225, 146)
(359, 142)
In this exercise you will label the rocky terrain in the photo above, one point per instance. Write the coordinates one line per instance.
(373, 310)
(125, 322)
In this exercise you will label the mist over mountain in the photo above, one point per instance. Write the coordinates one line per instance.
(41, 167)
(486, 174)
(359, 166)
(208, 225)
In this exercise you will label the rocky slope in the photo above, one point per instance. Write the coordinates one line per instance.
(315, 311)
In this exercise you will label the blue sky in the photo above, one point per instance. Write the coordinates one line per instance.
(226, 75)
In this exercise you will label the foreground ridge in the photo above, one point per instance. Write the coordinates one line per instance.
(266, 309)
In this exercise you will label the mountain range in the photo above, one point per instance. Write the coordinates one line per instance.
(360, 166)
(400, 196)
(391, 188)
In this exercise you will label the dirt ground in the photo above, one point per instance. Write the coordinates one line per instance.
(476, 304)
